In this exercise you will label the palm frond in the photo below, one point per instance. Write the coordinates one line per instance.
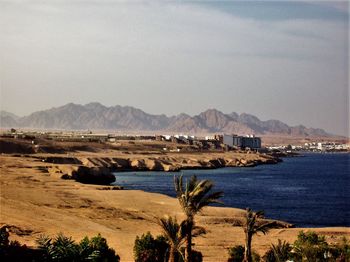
(260, 214)
(178, 185)
(190, 185)
(281, 251)
(44, 242)
(211, 198)
(266, 227)
(195, 195)
(175, 233)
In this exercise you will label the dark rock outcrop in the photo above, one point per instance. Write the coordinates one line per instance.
(93, 175)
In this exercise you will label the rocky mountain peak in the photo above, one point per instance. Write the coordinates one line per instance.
(97, 116)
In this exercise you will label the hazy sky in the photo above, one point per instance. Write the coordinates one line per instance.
(280, 60)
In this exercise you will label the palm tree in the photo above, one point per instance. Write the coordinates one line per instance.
(252, 225)
(281, 251)
(193, 197)
(175, 235)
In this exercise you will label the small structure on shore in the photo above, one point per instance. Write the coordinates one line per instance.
(249, 141)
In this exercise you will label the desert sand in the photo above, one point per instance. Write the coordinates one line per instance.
(35, 201)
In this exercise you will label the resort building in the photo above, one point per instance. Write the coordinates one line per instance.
(249, 141)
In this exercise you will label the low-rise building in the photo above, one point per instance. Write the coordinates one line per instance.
(249, 141)
(228, 140)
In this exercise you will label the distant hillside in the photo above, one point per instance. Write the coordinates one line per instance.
(95, 116)
(8, 119)
(8, 114)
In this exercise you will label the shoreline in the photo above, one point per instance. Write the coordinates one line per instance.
(286, 186)
(93, 162)
(99, 168)
(290, 225)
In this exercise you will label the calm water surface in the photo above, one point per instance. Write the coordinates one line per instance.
(310, 191)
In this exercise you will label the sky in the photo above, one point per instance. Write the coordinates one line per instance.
(285, 60)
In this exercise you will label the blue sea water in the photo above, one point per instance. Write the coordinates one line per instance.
(309, 191)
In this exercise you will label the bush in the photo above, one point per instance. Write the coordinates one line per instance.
(14, 251)
(236, 254)
(96, 249)
(63, 248)
(196, 256)
(270, 256)
(279, 252)
(255, 257)
(310, 247)
(149, 249)
(4, 237)
(341, 251)
(344, 249)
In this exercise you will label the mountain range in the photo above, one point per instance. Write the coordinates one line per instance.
(95, 116)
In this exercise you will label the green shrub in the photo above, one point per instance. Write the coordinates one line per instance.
(150, 249)
(14, 251)
(4, 237)
(278, 253)
(269, 256)
(310, 247)
(97, 249)
(344, 249)
(236, 254)
(255, 257)
(60, 248)
(196, 256)
(63, 248)
(341, 251)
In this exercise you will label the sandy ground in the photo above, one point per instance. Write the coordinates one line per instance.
(33, 202)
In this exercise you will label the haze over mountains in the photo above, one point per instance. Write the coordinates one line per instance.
(95, 116)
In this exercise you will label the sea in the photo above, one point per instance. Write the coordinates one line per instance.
(308, 191)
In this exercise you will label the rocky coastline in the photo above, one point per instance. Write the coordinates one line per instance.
(98, 170)
(95, 163)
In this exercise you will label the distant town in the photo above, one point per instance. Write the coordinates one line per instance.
(222, 142)
(314, 147)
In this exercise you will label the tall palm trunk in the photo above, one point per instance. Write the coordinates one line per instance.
(188, 251)
(248, 248)
(172, 255)
(252, 225)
